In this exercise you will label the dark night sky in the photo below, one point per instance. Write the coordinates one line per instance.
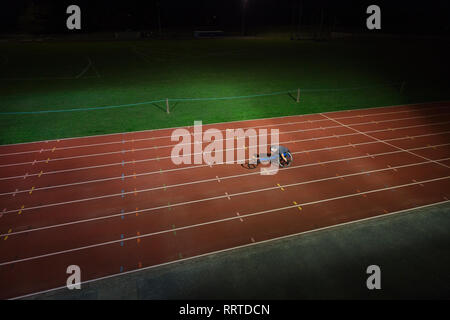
(105, 15)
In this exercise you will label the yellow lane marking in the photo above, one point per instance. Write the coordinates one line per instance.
(21, 208)
(6, 237)
(298, 207)
(31, 191)
(282, 189)
(40, 174)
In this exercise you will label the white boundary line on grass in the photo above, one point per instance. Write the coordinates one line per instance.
(215, 123)
(242, 246)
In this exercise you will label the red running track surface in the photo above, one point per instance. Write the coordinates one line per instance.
(116, 203)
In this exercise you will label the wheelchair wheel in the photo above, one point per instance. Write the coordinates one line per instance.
(289, 158)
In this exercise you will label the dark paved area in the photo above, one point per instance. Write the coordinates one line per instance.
(411, 248)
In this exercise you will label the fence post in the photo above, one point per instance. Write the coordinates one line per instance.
(167, 105)
(298, 95)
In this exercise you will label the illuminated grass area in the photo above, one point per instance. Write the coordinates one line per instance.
(36, 76)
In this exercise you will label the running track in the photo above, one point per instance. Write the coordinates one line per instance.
(114, 204)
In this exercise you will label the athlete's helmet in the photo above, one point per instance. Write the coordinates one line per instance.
(273, 148)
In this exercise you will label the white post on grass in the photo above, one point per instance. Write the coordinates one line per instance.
(298, 95)
(167, 105)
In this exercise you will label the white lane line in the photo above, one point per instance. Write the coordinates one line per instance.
(199, 166)
(144, 149)
(232, 217)
(146, 210)
(298, 152)
(254, 127)
(85, 69)
(191, 154)
(387, 143)
(235, 248)
(136, 191)
(258, 119)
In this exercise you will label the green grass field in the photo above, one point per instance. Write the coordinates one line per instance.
(55, 75)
